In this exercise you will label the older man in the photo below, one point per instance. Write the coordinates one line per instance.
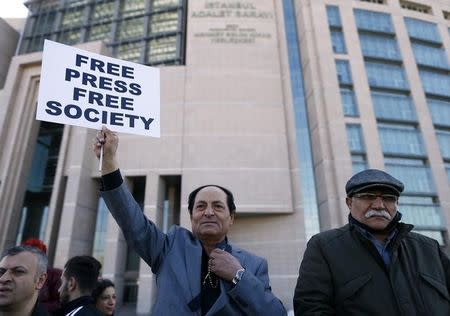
(22, 274)
(197, 273)
(374, 265)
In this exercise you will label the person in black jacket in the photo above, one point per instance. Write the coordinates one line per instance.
(77, 282)
(23, 271)
(374, 265)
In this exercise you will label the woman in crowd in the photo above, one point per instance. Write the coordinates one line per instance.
(104, 296)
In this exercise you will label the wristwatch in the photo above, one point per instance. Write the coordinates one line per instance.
(238, 276)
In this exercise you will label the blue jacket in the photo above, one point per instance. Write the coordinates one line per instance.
(175, 258)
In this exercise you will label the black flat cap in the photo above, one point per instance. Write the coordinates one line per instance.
(371, 178)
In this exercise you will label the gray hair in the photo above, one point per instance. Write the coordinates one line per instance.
(42, 257)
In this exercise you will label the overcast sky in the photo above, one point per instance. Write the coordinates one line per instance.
(13, 9)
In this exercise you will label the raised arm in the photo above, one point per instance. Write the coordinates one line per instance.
(141, 233)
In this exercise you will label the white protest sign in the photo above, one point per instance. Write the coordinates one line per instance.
(90, 90)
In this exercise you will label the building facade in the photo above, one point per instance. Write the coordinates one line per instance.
(280, 101)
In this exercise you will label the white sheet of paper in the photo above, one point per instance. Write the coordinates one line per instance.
(90, 90)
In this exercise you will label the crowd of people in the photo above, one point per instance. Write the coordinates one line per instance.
(373, 265)
(30, 287)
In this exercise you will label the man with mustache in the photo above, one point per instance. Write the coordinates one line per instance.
(197, 273)
(374, 265)
(23, 272)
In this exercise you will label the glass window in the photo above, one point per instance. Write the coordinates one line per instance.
(393, 106)
(422, 30)
(99, 32)
(103, 11)
(435, 82)
(349, 102)
(447, 168)
(161, 49)
(386, 76)
(443, 138)
(132, 7)
(35, 44)
(131, 28)
(69, 37)
(72, 18)
(359, 163)
(421, 215)
(338, 42)
(40, 181)
(101, 227)
(379, 46)
(413, 173)
(400, 139)
(164, 22)
(355, 138)
(307, 183)
(430, 55)
(44, 23)
(334, 19)
(129, 51)
(440, 111)
(159, 4)
(373, 21)
(343, 72)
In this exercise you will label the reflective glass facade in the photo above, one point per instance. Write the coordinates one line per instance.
(307, 180)
(145, 31)
(357, 147)
(398, 132)
(41, 178)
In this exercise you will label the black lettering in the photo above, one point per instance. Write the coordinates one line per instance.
(127, 72)
(70, 73)
(95, 63)
(80, 59)
(135, 89)
(77, 114)
(126, 101)
(105, 83)
(120, 86)
(88, 118)
(112, 101)
(54, 108)
(104, 117)
(146, 122)
(132, 118)
(116, 119)
(89, 78)
(113, 69)
(77, 93)
(95, 96)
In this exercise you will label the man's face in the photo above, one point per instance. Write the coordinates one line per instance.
(211, 217)
(19, 280)
(64, 293)
(375, 209)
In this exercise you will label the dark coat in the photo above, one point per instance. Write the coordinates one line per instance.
(342, 273)
(87, 304)
(39, 310)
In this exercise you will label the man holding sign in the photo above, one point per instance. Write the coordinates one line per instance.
(198, 272)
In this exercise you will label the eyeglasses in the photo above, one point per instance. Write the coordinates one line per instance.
(386, 198)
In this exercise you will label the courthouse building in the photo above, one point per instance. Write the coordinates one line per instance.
(281, 101)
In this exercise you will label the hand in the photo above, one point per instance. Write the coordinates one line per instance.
(223, 264)
(110, 141)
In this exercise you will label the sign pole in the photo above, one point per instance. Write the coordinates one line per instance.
(100, 161)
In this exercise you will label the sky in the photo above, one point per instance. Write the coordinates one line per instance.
(13, 9)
